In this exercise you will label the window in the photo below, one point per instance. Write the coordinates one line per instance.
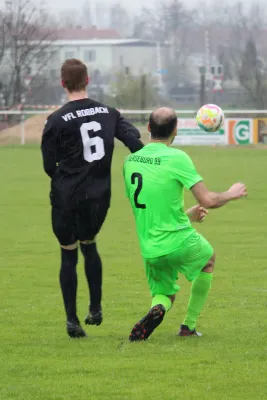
(89, 55)
(217, 70)
(69, 54)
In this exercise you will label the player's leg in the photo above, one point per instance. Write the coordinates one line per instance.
(63, 228)
(198, 255)
(93, 272)
(199, 294)
(90, 219)
(162, 277)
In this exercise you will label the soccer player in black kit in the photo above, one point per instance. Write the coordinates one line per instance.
(77, 147)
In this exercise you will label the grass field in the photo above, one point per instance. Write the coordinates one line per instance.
(39, 362)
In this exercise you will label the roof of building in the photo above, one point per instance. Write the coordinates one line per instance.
(104, 42)
(79, 33)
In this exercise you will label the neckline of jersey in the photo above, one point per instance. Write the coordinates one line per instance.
(85, 98)
(156, 144)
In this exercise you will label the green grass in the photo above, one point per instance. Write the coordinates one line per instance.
(39, 362)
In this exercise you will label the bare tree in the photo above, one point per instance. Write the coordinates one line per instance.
(2, 37)
(69, 18)
(76, 18)
(168, 24)
(247, 28)
(252, 75)
(86, 17)
(241, 48)
(120, 20)
(146, 25)
(176, 20)
(27, 49)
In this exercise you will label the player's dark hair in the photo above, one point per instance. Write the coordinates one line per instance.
(74, 75)
(162, 127)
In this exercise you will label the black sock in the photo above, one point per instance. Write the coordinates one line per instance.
(68, 281)
(93, 272)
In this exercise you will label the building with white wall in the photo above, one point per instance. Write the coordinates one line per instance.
(108, 56)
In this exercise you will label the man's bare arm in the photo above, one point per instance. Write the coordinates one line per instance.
(209, 199)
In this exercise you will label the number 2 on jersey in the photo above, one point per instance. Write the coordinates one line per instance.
(88, 143)
(139, 178)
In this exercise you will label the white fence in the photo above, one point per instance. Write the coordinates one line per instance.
(188, 114)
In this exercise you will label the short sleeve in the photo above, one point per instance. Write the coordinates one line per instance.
(185, 171)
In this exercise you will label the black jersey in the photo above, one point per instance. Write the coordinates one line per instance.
(77, 147)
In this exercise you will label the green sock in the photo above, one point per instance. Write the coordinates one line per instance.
(163, 300)
(199, 293)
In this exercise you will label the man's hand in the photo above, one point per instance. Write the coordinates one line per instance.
(197, 213)
(238, 190)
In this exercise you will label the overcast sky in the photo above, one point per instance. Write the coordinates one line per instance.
(60, 4)
(70, 4)
(134, 5)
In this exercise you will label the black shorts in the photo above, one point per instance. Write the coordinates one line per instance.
(83, 223)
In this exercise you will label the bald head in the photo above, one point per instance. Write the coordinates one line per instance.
(162, 123)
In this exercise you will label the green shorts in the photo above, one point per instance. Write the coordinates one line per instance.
(189, 260)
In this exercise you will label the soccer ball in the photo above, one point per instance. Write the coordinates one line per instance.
(210, 118)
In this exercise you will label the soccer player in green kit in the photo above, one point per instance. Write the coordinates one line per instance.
(155, 178)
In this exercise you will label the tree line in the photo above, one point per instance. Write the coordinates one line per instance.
(236, 39)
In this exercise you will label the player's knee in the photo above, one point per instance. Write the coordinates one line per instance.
(172, 298)
(210, 265)
(69, 258)
(70, 247)
(88, 242)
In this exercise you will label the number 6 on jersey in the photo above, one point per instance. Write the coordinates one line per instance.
(88, 142)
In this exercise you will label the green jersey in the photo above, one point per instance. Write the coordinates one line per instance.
(155, 178)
